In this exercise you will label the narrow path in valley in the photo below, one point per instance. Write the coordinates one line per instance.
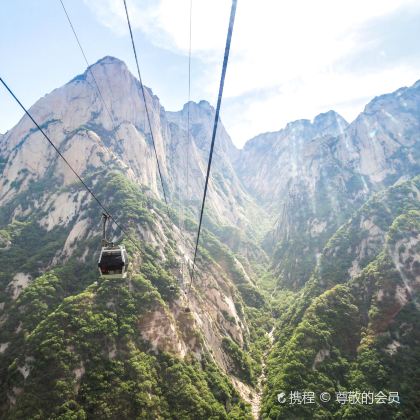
(256, 400)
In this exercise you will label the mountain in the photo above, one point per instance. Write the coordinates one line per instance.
(102, 348)
(307, 274)
(91, 131)
(49, 241)
(355, 326)
(312, 176)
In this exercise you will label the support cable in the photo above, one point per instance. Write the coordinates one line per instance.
(187, 192)
(88, 66)
(145, 103)
(89, 69)
(216, 120)
(188, 107)
(68, 164)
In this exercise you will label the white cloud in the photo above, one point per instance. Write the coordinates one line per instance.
(166, 22)
(290, 49)
(345, 93)
(110, 13)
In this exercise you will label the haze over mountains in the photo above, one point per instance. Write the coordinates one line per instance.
(289, 218)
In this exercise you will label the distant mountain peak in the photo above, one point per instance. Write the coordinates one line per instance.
(298, 124)
(397, 97)
(329, 116)
(109, 63)
(108, 59)
(203, 108)
(202, 105)
(326, 123)
(330, 122)
(205, 104)
(117, 64)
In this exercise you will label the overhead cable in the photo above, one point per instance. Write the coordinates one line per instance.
(145, 102)
(88, 189)
(216, 120)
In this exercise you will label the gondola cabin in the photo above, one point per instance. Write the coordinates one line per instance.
(113, 262)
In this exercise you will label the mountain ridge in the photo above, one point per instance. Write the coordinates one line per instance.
(281, 215)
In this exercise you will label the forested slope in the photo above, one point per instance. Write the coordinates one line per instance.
(307, 274)
(355, 325)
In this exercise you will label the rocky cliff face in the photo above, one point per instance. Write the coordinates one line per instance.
(91, 132)
(312, 176)
(355, 323)
(333, 204)
(49, 240)
(270, 161)
(383, 142)
(49, 286)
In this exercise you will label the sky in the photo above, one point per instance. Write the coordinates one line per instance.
(290, 59)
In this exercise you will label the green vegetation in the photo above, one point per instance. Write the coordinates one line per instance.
(87, 360)
(315, 358)
(241, 363)
(78, 347)
(363, 335)
(310, 223)
(75, 348)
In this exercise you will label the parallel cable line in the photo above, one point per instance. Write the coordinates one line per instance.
(112, 119)
(89, 69)
(188, 108)
(185, 199)
(68, 164)
(88, 64)
(187, 191)
(145, 104)
(216, 120)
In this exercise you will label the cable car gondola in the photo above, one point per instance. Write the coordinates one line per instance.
(113, 259)
(113, 262)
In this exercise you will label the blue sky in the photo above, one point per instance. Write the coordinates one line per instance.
(39, 53)
(290, 59)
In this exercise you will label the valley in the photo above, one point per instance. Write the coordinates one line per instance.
(307, 276)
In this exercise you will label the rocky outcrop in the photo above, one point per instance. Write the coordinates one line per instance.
(311, 176)
(93, 131)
